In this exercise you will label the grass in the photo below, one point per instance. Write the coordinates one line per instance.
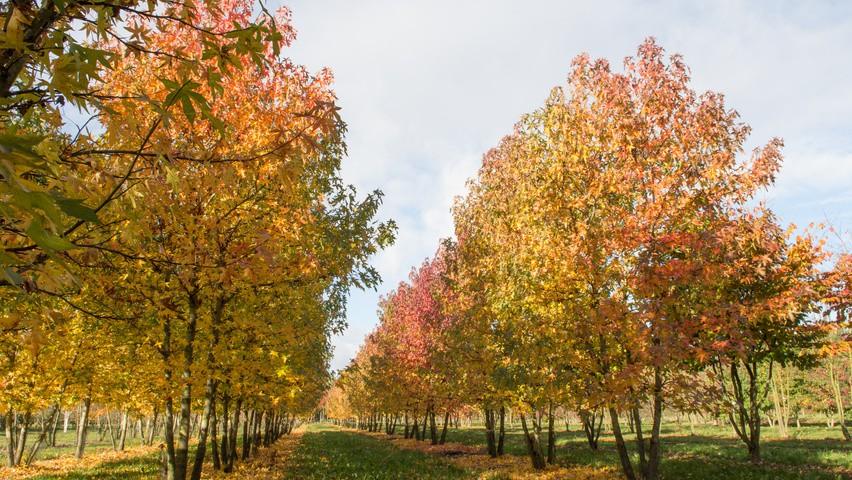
(326, 453)
(65, 443)
(709, 453)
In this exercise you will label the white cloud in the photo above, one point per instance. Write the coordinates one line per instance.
(428, 86)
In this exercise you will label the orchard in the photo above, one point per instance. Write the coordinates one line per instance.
(616, 299)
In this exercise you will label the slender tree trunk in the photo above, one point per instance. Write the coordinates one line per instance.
(10, 437)
(533, 441)
(123, 434)
(109, 429)
(652, 471)
(23, 431)
(433, 429)
(592, 424)
(232, 438)
(153, 428)
(501, 433)
(405, 417)
(225, 443)
(838, 400)
(170, 465)
(620, 446)
(246, 439)
(52, 440)
(214, 445)
(551, 436)
(182, 447)
(47, 426)
(82, 426)
(200, 450)
(66, 420)
(490, 437)
(444, 428)
(636, 427)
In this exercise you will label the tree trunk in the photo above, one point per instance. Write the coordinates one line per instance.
(48, 425)
(109, 429)
(490, 437)
(838, 400)
(182, 447)
(433, 428)
(82, 427)
(444, 428)
(592, 425)
(200, 450)
(232, 438)
(533, 441)
(225, 443)
(170, 464)
(246, 439)
(153, 428)
(620, 446)
(652, 471)
(551, 436)
(123, 433)
(23, 431)
(501, 433)
(10, 437)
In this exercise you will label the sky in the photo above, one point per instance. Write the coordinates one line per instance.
(427, 87)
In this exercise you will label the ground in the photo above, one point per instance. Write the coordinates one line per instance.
(322, 451)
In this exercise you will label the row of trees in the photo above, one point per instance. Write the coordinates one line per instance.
(177, 240)
(612, 260)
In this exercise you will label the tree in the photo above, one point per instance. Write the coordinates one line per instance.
(49, 179)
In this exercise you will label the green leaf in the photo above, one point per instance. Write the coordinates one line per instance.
(188, 109)
(76, 209)
(47, 240)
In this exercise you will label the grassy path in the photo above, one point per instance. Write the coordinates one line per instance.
(328, 453)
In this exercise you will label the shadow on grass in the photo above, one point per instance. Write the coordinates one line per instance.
(709, 454)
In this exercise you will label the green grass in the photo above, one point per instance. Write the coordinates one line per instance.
(711, 453)
(327, 453)
(65, 443)
(814, 453)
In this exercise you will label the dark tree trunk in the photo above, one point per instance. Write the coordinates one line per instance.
(443, 438)
(246, 438)
(551, 436)
(501, 434)
(592, 423)
(223, 446)
(621, 447)
(433, 428)
(207, 413)
(490, 438)
(233, 428)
